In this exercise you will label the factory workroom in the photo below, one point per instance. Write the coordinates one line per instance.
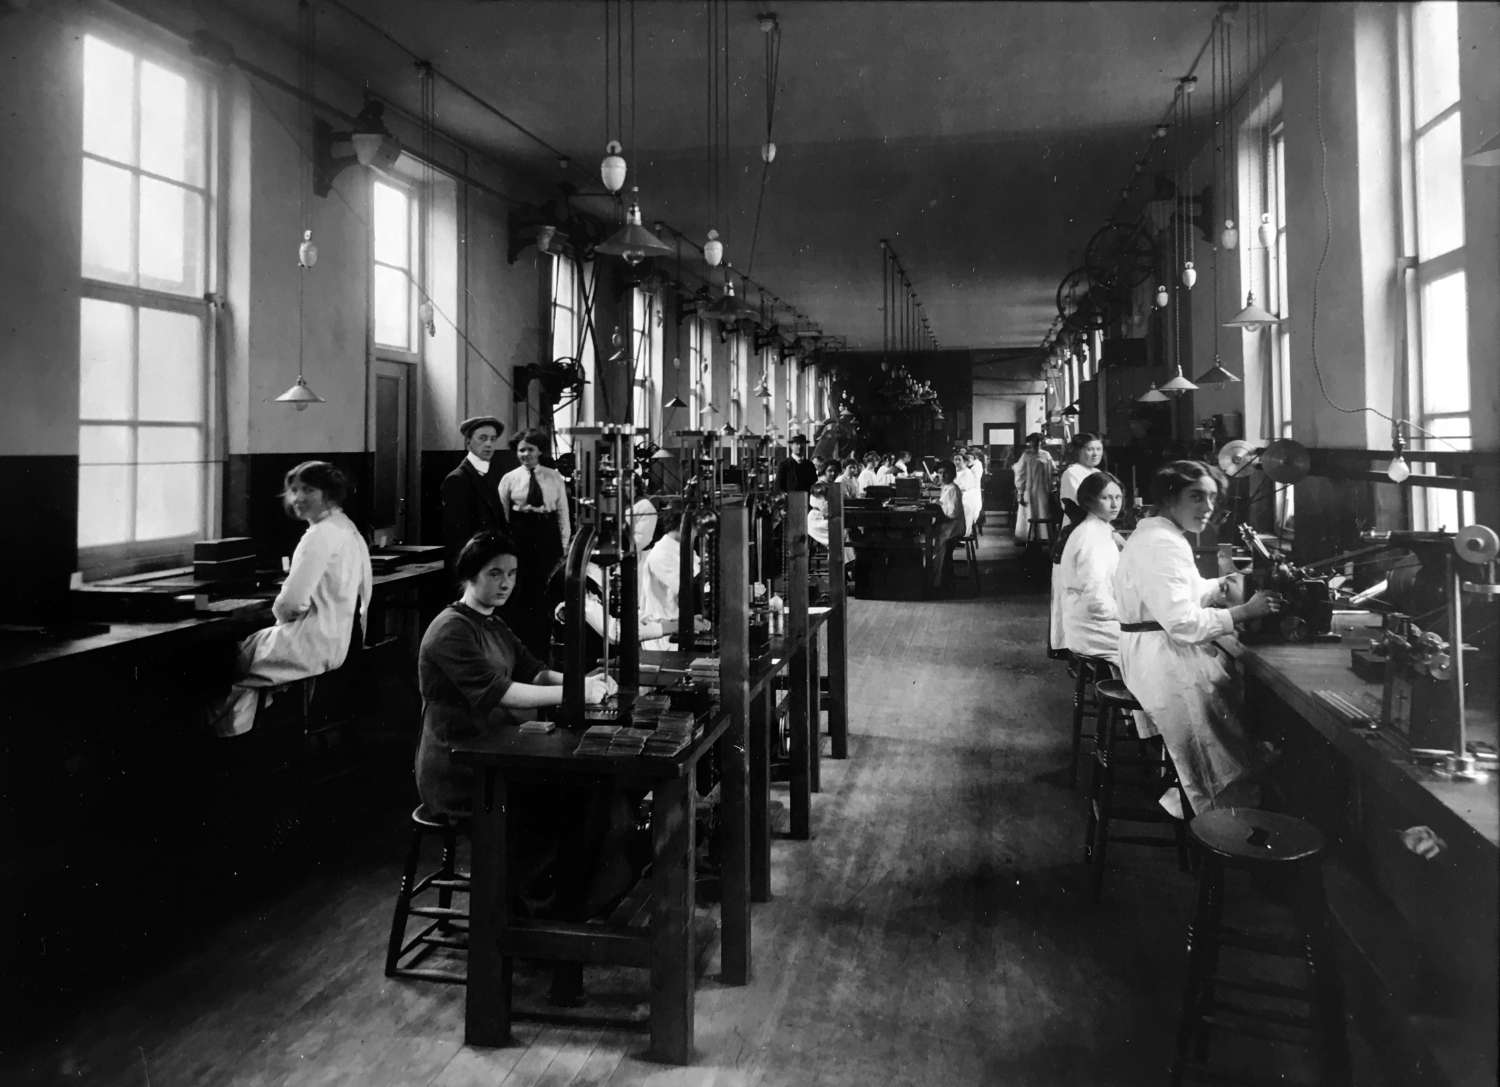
(697, 542)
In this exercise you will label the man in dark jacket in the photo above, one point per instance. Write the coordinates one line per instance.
(796, 472)
(471, 492)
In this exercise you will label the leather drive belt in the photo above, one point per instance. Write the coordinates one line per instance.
(1139, 628)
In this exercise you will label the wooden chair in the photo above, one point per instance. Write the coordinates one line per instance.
(1310, 1015)
(1087, 671)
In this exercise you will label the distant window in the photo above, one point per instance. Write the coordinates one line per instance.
(646, 363)
(1434, 232)
(571, 341)
(394, 238)
(144, 361)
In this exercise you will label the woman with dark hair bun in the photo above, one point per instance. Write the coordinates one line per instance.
(1169, 617)
(1085, 452)
(327, 589)
(1087, 621)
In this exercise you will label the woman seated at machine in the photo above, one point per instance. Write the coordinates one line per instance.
(660, 587)
(1169, 617)
(322, 607)
(596, 614)
(950, 525)
(477, 678)
(1085, 619)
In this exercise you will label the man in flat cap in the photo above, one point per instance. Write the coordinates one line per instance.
(471, 492)
(796, 472)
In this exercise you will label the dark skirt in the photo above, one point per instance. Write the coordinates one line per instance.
(538, 551)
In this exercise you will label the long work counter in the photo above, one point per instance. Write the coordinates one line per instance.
(1422, 933)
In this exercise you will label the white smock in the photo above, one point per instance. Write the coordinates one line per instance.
(1033, 474)
(1073, 475)
(968, 481)
(1187, 687)
(659, 574)
(1084, 590)
(329, 574)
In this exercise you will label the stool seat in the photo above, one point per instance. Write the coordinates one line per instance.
(1114, 690)
(1248, 834)
(447, 929)
(431, 820)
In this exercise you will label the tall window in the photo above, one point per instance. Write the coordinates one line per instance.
(571, 341)
(1277, 298)
(738, 363)
(1433, 229)
(144, 334)
(397, 271)
(646, 361)
(699, 392)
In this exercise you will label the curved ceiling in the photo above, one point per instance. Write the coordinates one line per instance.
(985, 140)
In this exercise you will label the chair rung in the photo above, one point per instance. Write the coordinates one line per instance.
(442, 913)
(1263, 988)
(419, 974)
(1256, 941)
(1269, 1015)
(434, 879)
(1250, 1030)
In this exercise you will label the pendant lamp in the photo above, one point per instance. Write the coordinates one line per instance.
(1153, 395)
(1216, 375)
(1252, 316)
(633, 242)
(1178, 384)
(299, 395)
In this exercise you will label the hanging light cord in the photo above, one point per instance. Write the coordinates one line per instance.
(773, 69)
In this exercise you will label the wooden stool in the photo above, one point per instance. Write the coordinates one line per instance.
(970, 544)
(1265, 843)
(1149, 772)
(447, 926)
(1088, 671)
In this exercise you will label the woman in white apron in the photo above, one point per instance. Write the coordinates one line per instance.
(328, 581)
(1169, 618)
(1033, 471)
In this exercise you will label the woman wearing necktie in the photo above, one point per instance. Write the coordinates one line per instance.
(535, 500)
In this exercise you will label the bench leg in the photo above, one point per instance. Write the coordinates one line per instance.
(673, 956)
(487, 998)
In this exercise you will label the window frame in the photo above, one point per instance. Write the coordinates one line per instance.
(1430, 506)
(415, 274)
(147, 43)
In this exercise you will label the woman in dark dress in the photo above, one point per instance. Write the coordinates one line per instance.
(477, 678)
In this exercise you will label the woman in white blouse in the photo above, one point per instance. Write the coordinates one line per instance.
(1169, 617)
(327, 589)
(1087, 619)
(1086, 451)
(535, 500)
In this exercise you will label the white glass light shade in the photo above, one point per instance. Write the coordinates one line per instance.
(1398, 470)
(1162, 297)
(1267, 230)
(768, 152)
(307, 252)
(612, 169)
(713, 249)
(1229, 237)
(1189, 275)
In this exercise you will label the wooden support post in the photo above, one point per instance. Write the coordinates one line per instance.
(759, 741)
(673, 957)
(838, 630)
(734, 762)
(800, 717)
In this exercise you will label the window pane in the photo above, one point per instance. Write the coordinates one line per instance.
(392, 308)
(171, 125)
(171, 236)
(1445, 346)
(103, 485)
(106, 222)
(171, 367)
(108, 94)
(391, 220)
(1440, 191)
(1434, 32)
(104, 360)
(168, 483)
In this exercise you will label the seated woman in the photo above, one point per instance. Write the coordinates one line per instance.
(950, 525)
(1169, 618)
(817, 519)
(322, 605)
(599, 624)
(885, 474)
(1083, 591)
(476, 679)
(659, 586)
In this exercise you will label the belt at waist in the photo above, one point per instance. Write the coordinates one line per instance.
(1139, 628)
(534, 513)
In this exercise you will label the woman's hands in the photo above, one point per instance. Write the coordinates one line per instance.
(597, 688)
(1258, 606)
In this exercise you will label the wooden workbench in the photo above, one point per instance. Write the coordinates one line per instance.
(1420, 936)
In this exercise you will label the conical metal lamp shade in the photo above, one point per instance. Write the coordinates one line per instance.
(675, 402)
(1216, 375)
(633, 242)
(1178, 384)
(300, 395)
(1153, 395)
(1252, 316)
(1487, 155)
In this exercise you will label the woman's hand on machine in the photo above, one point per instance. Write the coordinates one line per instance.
(597, 688)
(1261, 604)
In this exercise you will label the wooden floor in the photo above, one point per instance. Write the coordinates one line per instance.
(936, 930)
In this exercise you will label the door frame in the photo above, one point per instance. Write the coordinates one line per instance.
(406, 512)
